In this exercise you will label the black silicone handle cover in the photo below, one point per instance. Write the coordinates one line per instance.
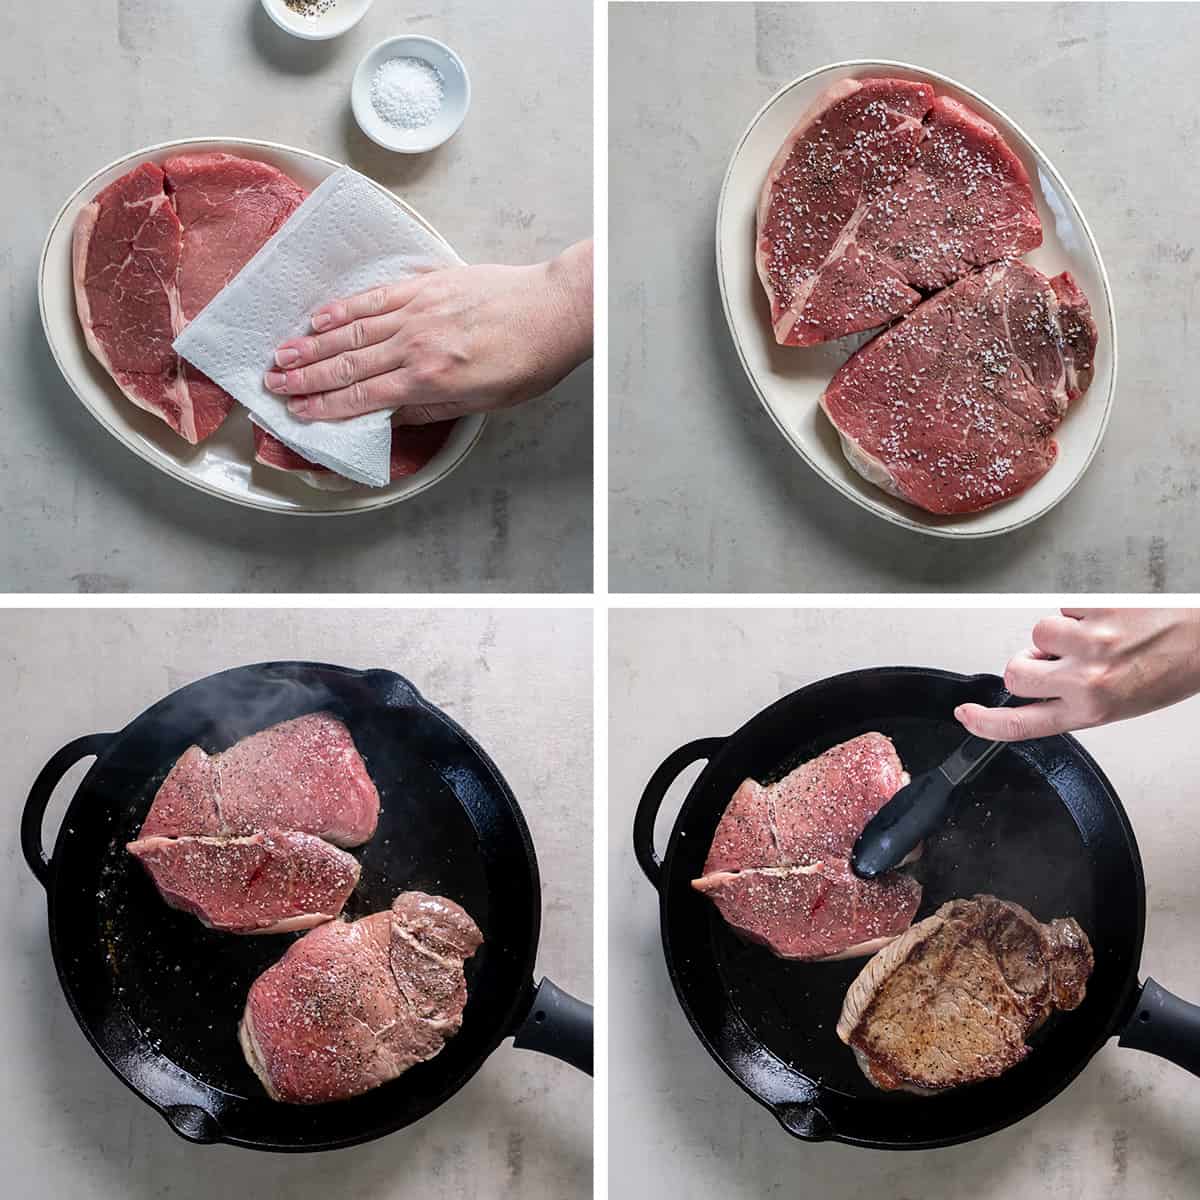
(652, 798)
(43, 789)
(1165, 1025)
(558, 1024)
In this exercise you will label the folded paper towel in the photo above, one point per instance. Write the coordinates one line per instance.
(347, 237)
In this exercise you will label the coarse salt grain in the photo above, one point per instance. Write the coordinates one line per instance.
(407, 92)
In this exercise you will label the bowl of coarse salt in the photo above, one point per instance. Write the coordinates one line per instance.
(316, 20)
(410, 94)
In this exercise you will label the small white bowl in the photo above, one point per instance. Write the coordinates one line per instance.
(450, 116)
(343, 15)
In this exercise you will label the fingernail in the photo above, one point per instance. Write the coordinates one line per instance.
(286, 357)
(276, 380)
(321, 321)
(958, 712)
(298, 408)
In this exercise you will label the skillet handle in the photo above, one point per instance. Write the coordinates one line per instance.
(43, 789)
(652, 798)
(1165, 1025)
(559, 1025)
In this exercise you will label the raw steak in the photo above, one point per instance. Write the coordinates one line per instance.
(953, 1000)
(241, 839)
(272, 882)
(351, 1006)
(413, 446)
(304, 774)
(954, 408)
(883, 191)
(778, 868)
(150, 251)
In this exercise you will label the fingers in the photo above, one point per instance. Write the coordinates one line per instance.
(374, 303)
(1030, 674)
(355, 335)
(338, 373)
(368, 395)
(1058, 636)
(1014, 724)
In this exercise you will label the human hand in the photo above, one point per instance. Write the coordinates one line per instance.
(1092, 666)
(443, 344)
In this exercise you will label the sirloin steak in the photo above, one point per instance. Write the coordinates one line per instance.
(351, 1006)
(242, 840)
(954, 408)
(953, 1000)
(148, 254)
(881, 192)
(304, 774)
(778, 869)
(273, 882)
(413, 446)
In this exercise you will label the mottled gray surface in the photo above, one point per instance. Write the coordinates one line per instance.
(706, 495)
(1124, 1129)
(519, 681)
(86, 83)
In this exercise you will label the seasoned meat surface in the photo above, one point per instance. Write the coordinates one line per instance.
(953, 1000)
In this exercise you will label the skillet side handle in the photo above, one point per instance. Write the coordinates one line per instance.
(559, 1025)
(652, 798)
(93, 744)
(1165, 1025)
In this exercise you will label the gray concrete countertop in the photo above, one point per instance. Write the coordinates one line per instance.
(706, 495)
(519, 681)
(87, 83)
(680, 1126)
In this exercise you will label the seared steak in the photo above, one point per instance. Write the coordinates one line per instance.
(352, 1005)
(268, 883)
(778, 869)
(953, 1000)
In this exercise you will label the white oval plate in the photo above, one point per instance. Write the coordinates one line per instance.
(223, 464)
(790, 380)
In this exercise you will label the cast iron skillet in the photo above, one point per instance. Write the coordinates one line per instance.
(1041, 826)
(159, 996)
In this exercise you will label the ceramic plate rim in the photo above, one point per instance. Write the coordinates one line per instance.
(173, 469)
(877, 508)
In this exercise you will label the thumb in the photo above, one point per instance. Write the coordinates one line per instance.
(1012, 724)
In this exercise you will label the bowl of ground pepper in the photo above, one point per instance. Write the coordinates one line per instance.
(316, 20)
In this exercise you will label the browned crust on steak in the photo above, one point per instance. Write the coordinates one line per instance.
(953, 999)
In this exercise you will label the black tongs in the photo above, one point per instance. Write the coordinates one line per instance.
(919, 807)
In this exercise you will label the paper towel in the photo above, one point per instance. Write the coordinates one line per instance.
(346, 238)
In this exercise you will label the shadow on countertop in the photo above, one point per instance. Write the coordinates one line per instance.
(284, 51)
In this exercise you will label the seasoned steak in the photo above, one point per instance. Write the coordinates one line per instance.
(954, 409)
(241, 839)
(304, 774)
(352, 1005)
(778, 869)
(953, 1000)
(884, 192)
(274, 882)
